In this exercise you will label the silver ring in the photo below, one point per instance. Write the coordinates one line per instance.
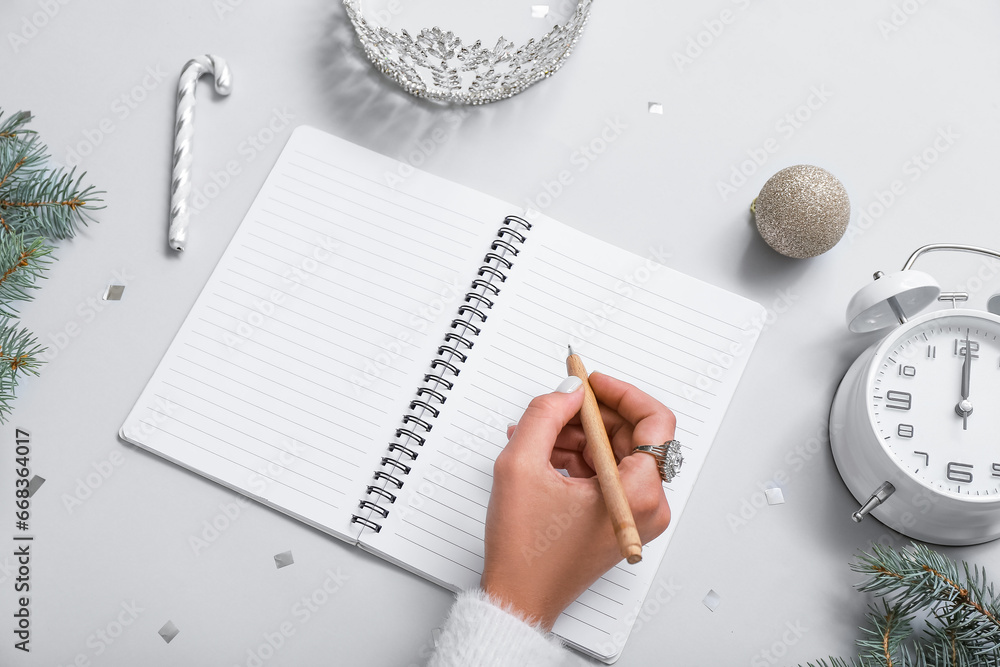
(668, 458)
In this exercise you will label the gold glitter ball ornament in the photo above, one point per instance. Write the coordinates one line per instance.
(802, 211)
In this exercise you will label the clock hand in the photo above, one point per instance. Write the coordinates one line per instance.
(964, 407)
(966, 368)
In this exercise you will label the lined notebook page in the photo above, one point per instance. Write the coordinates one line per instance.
(681, 340)
(303, 350)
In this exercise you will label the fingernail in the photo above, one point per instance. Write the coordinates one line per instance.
(511, 427)
(569, 385)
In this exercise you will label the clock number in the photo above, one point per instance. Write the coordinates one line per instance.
(960, 348)
(907, 371)
(932, 351)
(956, 473)
(897, 400)
(996, 469)
(905, 431)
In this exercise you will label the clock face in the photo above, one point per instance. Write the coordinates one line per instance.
(934, 400)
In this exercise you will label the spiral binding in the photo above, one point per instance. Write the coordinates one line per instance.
(446, 366)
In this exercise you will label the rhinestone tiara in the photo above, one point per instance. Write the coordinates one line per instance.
(437, 65)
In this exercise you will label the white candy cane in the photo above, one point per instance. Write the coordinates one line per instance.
(183, 131)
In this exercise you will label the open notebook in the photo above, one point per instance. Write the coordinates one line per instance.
(359, 350)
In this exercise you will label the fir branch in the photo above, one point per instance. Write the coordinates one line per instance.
(14, 126)
(21, 264)
(19, 352)
(20, 159)
(8, 385)
(842, 662)
(921, 578)
(19, 356)
(50, 205)
(37, 201)
(890, 628)
(960, 606)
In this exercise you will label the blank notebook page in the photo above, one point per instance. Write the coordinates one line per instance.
(679, 339)
(295, 364)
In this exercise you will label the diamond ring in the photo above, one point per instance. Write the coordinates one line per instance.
(668, 458)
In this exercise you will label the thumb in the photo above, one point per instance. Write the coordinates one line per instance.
(543, 419)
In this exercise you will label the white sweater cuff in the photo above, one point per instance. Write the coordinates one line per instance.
(480, 633)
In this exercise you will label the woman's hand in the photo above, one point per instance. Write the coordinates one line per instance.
(549, 537)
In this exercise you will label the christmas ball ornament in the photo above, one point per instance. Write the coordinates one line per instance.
(802, 211)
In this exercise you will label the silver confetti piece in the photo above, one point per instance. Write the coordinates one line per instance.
(168, 631)
(183, 131)
(283, 559)
(114, 292)
(34, 483)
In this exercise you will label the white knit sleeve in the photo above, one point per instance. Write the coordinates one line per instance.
(480, 633)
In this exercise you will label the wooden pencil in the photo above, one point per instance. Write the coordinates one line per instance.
(606, 467)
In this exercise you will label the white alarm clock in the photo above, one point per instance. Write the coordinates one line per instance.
(915, 423)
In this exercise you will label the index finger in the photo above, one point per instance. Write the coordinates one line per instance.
(653, 423)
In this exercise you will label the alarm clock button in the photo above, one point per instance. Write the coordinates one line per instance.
(871, 308)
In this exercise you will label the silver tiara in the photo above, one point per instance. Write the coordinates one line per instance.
(439, 66)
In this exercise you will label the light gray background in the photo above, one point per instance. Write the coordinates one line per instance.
(782, 576)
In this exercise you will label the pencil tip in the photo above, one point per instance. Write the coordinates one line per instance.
(570, 348)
